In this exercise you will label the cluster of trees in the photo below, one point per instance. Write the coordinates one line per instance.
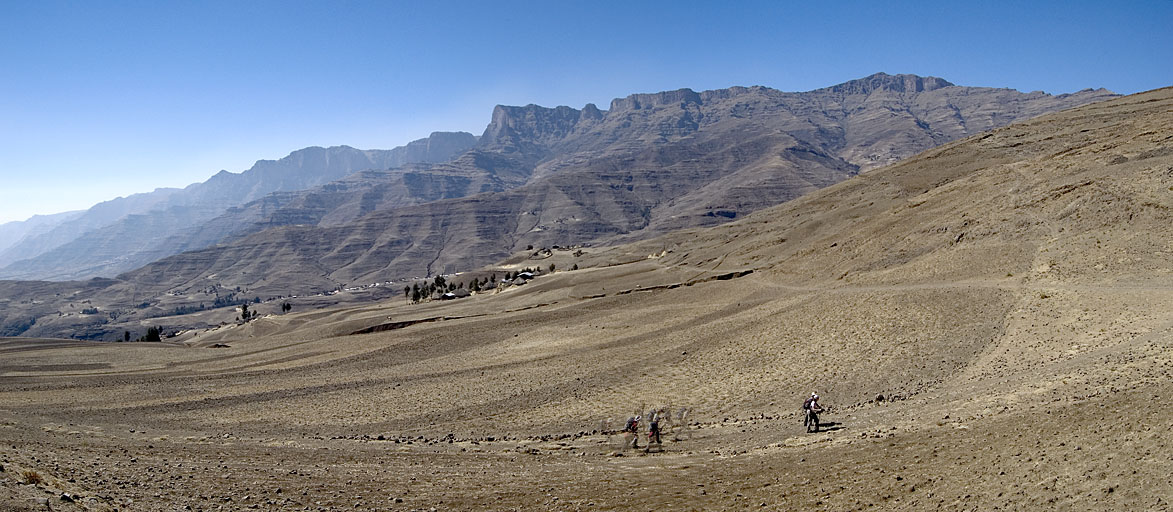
(231, 300)
(417, 291)
(245, 314)
(183, 310)
(153, 334)
(534, 271)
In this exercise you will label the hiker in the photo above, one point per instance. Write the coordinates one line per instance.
(654, 431)
(811, 409)
(632, 427)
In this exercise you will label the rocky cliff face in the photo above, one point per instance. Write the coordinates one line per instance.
(890, 83)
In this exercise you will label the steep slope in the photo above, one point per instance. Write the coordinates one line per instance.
(650, 164)
(105, 242)
(990, 321)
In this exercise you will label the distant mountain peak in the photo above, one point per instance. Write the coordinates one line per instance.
(885, 82)
(534, 122)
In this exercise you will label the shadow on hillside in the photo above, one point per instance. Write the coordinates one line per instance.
(830, 426)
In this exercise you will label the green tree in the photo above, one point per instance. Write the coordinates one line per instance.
(551, 267)
(153, 334)
(125, 335)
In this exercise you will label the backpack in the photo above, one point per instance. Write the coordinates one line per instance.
(806, 405)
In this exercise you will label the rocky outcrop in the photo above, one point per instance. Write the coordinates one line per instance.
(886, 82)
(533, 125)
(656, 100)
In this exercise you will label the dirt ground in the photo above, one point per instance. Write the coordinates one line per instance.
(1010, 298)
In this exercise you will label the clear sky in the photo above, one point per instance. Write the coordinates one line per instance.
(105, 99)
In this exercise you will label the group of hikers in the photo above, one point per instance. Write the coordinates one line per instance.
(810, 419)
(632, 427)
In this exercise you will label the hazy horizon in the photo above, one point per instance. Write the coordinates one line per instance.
(114, 101)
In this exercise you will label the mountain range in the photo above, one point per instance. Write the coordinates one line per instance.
(537, 177)
(126, 233)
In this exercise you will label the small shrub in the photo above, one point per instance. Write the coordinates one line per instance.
(32, 477)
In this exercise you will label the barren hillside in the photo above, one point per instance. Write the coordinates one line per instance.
(991, 322)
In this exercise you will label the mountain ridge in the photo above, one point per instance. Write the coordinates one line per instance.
(83, 249)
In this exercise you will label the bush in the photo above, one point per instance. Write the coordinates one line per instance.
(153, 334)
(31, 477)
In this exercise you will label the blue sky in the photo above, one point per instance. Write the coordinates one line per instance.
(105, 99)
